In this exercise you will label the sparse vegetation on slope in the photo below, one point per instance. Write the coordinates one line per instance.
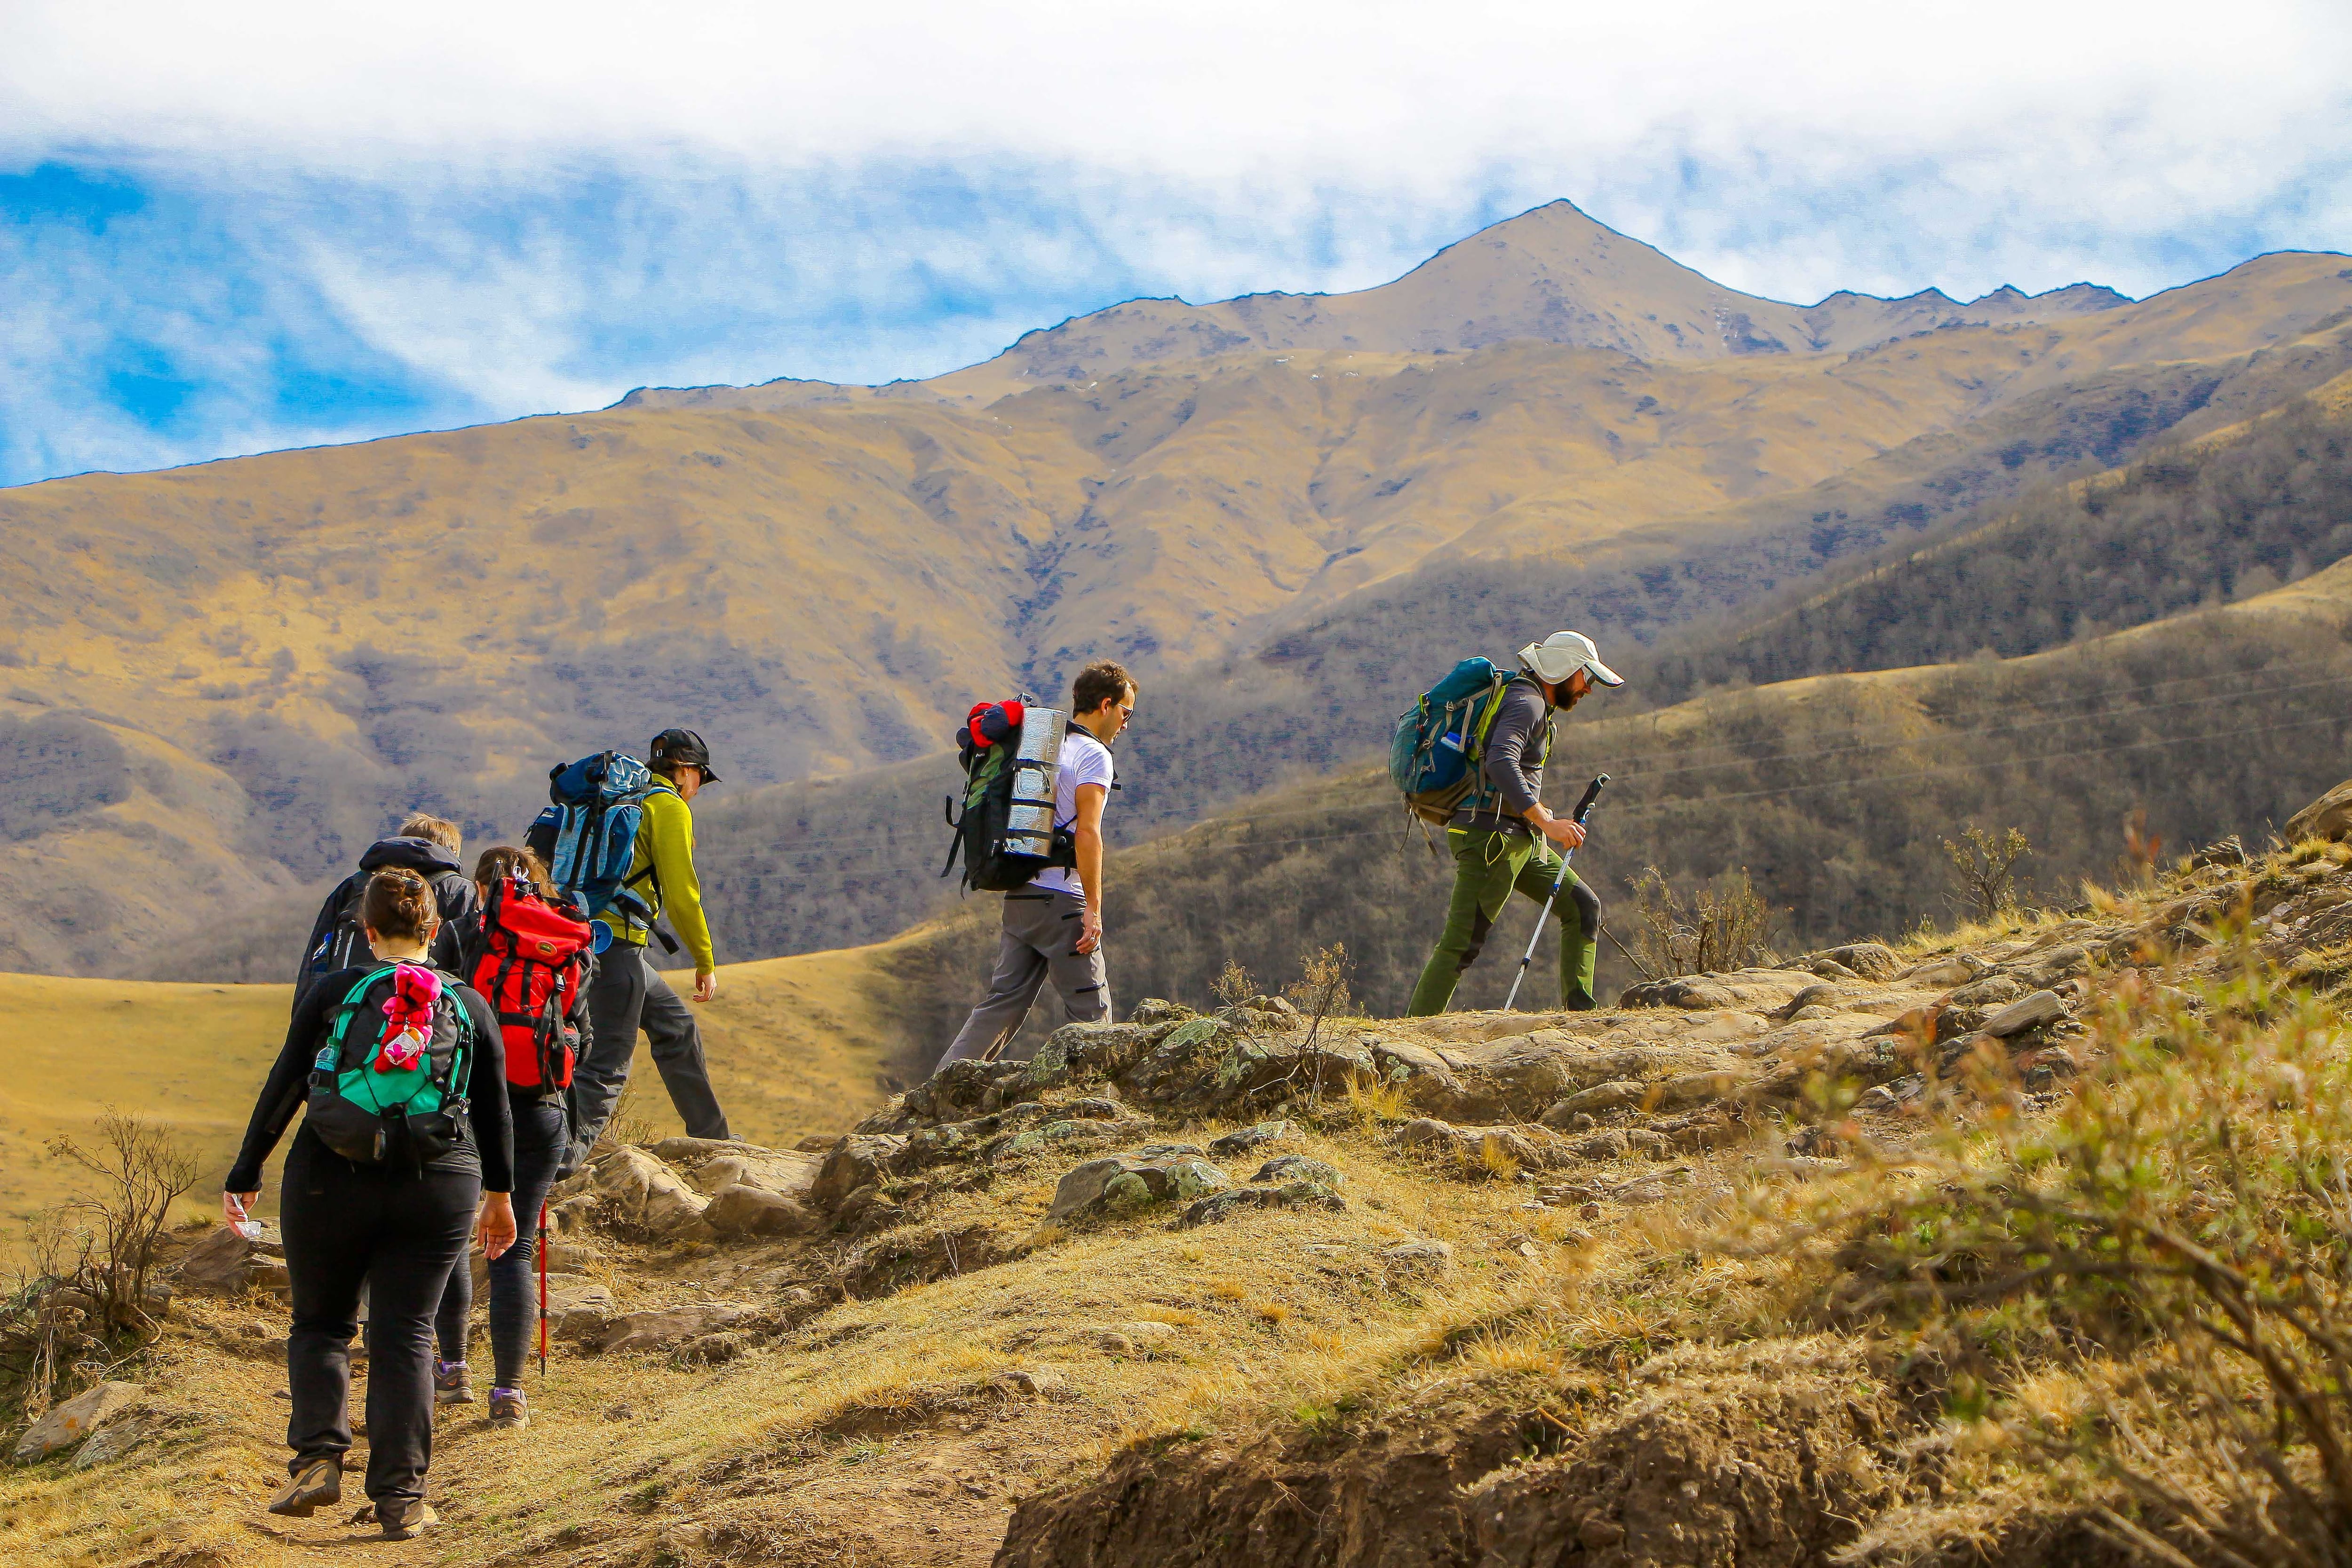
(1613, 1283)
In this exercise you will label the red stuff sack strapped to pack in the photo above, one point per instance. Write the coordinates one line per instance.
(533, 961)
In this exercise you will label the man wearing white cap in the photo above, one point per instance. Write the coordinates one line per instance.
(1499, 834)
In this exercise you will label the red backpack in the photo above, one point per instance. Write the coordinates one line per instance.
(529, 967)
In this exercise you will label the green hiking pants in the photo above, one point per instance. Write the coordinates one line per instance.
(1487, 866)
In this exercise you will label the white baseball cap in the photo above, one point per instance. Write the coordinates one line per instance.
(1562, 654)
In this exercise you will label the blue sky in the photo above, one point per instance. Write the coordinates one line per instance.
(229, 231)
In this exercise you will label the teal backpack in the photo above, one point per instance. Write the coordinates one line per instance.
(1439, 741)
(410, 1115)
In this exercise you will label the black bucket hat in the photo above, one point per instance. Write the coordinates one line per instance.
(683, 748)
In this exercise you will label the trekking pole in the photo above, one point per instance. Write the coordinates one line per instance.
(542, 1289)
(1583, 810)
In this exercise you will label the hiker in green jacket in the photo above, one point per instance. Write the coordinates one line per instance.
(628, 993)
(1503, 837)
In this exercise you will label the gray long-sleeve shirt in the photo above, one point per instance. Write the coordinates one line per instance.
(1518, 746)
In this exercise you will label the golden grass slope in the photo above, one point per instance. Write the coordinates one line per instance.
(795, 1046)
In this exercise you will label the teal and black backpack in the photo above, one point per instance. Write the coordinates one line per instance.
(408, 1116)
(1439, 742)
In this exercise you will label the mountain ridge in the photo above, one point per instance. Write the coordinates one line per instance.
(1548, 241)
(313, 642)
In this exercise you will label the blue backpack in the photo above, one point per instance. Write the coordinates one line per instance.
(1434, 756)
(588, 837)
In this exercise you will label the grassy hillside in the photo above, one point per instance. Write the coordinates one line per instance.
(288, 650)
(794, 1045)
(2234, 514)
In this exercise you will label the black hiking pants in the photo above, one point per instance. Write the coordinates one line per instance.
(538, 1145)
(629, 994)
(400, 1233)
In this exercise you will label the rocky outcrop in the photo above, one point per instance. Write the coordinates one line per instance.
(638, 1193)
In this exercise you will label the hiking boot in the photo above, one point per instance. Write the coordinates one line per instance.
(508, 1409)
(450, 1383)
(318, 1484)
(404, 1519)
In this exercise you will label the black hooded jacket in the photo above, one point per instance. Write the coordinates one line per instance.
(452, 891)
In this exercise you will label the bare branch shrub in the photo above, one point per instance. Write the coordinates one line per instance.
(1725, 927)
(1233, 985)
(1320, 991)
(1984, 870)
(630, 1125)
(44, 1331)
(137, 1170)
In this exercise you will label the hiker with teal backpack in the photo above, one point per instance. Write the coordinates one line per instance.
(618, 840)
(1471, 755)
(404, 1152)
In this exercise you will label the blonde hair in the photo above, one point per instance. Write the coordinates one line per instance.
(440, 830)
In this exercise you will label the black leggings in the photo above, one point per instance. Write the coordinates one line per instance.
(400, 1233)
(539, 1143)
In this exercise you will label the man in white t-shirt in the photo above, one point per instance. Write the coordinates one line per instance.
(1053, 927)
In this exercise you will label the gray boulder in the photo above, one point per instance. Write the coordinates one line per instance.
(226, 1264)
(1115, 1186)
(746, 1210)
(2329, 817)
(635, 1190)
(2025, 1013)
(1223, 1206)
(578, 1308)
(1241, 1140)
(1285, 1168)
(858, 1159)
(1614, 1095)
(77, 1418)
(1870, 960)
(1693, 993)
(660, 1330)
(792, 1174)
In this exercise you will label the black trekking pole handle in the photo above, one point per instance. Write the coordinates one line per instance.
(1592, 793)
(1584, 810)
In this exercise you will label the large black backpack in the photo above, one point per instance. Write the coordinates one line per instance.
(1012, 755)
(339, 940)
(409, 1116)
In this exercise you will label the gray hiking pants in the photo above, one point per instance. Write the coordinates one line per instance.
(628, 994)
(1040, 933)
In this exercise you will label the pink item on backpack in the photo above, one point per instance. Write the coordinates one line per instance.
(409, 1028)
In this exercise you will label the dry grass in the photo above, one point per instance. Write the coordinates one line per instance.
(1273, 1312)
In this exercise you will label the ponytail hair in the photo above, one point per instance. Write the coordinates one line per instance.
(504, 861)
(398, 904)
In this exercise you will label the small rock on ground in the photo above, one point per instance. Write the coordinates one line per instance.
(75, 1419)
(1241, 1140)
